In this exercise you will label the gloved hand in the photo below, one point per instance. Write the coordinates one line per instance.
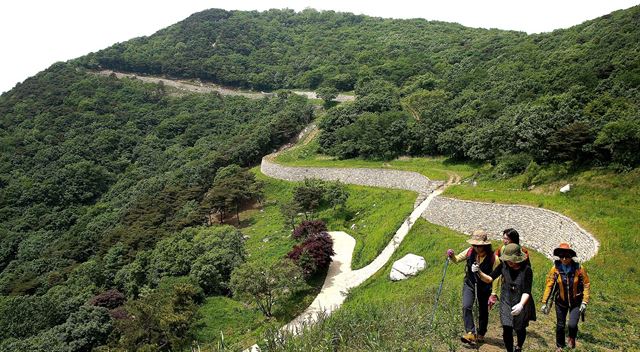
(517, 309)
(475, 267)
(450, 253)
(545, 309)
(492, 301)
(583, 307)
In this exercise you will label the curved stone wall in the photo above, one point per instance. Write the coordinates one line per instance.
(397, 179)
(540, 229)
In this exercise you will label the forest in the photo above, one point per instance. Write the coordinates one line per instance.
(423, 87)
(109, 187)
(105, 187)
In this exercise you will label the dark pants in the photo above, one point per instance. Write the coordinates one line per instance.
(507, 337)
(561, 318)
(468, 297)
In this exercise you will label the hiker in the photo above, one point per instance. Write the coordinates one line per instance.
(508, 236)
(480, 252)
(517, 307)
(568, 285)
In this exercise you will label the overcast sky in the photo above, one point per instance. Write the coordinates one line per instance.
(36, 33)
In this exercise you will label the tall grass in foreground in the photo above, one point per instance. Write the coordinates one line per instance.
(399, 326)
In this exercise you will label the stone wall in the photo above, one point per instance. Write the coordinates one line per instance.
(540, 229)
(407, 180)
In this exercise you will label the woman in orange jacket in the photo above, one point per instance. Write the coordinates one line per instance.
(569, 286)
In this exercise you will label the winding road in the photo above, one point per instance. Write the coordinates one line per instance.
(540, 229)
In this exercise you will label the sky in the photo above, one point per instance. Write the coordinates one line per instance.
(37, 33)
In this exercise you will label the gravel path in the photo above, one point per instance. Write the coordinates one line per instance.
(539, 228)
(200, 87)
(407, 180)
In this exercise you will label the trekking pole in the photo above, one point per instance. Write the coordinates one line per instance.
(435, 305)
(478, 304)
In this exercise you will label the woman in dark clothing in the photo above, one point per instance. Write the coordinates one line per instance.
(517, 306)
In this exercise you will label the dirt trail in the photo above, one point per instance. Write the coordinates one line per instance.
(196, 86)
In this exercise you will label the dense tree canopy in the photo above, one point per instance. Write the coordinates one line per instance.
(101, 176)
(469, 93)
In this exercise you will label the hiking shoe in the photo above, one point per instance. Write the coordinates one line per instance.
(480, 339)
(572, 342)
(469, 338)
(559, 349)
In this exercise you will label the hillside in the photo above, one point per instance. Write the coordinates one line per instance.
(463, 92)
(122, 199)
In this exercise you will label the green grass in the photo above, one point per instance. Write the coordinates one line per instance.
(436, 168)
(377, 214)
(238, 323)
(607, 205)
(386, 315)
(379, 305)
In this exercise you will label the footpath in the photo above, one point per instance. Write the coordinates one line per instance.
(541, 229)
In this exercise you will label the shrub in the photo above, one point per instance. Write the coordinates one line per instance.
(314, 254)
(621, 139)
(108, 299)
(512, 164)
(308, 228)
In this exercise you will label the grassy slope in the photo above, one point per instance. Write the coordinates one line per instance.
(604, 203)
(435, 168)
(269, 240)
(607, 205)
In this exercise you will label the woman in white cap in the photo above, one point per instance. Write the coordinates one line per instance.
(517, 306)
(481, 253)
(570, 284)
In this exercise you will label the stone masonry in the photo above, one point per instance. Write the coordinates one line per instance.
(540, 229)
(407, 180)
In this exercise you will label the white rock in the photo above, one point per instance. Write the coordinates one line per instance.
(408, 265)
(566, 188)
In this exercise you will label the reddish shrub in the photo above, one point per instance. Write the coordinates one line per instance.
(314, 254)
(119, 313)
(309, 228)
(108, 299)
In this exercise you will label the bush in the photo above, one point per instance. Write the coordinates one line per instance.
(308, 228)
(108, 299)
(314, 254)
(622, 139)
(512, 164)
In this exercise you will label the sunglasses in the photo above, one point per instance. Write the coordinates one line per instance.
(565, 256)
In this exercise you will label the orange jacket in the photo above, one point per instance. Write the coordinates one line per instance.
(575, 282)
